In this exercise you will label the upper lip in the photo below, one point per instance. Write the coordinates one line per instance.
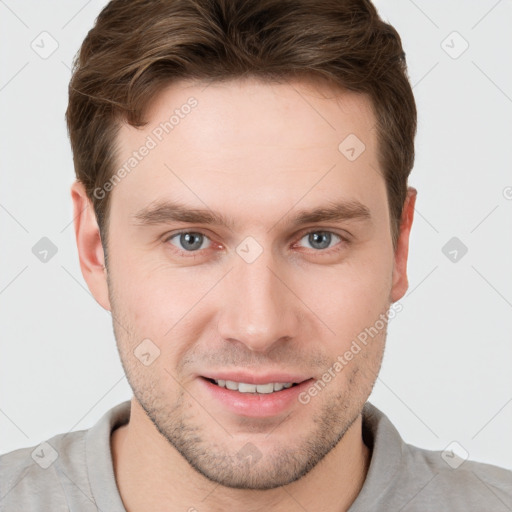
(251, 378)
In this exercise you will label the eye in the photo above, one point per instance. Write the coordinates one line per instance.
(321, 240)
(188, 241)
(192, 242)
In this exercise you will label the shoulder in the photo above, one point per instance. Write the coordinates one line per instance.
(32, 479)
(71, 471)
(451, 482)
(413, 479)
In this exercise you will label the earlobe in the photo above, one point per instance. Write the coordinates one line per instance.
(90, 248)
(400, 281)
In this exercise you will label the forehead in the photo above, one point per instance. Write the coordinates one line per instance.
(292, 114)
(246, 142)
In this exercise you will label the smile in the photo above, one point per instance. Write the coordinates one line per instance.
(244, 387)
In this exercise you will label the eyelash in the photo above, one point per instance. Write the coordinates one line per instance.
(321, 252)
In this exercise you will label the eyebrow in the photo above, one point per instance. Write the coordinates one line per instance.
(165, 212)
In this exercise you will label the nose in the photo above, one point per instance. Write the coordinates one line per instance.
(259, 308)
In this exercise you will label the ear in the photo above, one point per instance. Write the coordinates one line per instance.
(90, 249)
(400, 282)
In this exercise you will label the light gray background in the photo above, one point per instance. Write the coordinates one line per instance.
(447, 368)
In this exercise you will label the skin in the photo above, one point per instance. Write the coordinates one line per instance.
(255, 152)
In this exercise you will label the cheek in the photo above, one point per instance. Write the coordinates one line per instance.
(162, 301)
(351, 296)
(162, 305)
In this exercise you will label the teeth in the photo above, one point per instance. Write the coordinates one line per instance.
(265, 388)
(243, 387)
(246, 388)
(231, 385)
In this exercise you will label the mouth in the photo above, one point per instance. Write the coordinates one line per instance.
(264, 396)
(256, 389)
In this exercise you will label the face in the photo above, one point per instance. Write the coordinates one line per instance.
(248, 249)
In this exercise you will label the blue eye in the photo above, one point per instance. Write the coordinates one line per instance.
(189, 241)
(320, 240)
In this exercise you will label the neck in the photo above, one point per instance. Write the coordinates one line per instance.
(151, 474)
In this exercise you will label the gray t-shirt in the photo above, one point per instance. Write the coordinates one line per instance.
(74, 472)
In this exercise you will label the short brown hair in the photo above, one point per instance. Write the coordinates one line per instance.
(137, 47)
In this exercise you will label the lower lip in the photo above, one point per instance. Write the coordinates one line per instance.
(260, 405)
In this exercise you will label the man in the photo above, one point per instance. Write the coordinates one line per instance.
(242, 209)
